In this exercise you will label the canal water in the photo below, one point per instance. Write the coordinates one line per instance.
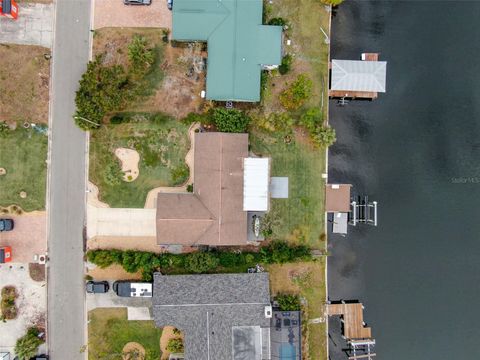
(416, 150)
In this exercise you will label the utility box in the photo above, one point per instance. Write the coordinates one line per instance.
(9, 8)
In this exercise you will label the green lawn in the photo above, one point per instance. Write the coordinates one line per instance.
(109, 331)
(300, 218)
(23, 153)
(162, 144)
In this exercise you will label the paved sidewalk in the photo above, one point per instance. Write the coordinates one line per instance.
(34, 26)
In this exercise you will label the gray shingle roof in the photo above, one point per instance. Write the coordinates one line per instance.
(355, 75)
(207, 307)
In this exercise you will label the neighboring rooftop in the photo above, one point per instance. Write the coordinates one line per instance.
(358, 75)
(337, 197)
(238, 44)
(222, 316)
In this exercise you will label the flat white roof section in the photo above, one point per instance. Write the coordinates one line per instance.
(358, 75)
(256, 178)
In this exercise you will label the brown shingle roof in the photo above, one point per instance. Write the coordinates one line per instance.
(213, 214)
(337, 197)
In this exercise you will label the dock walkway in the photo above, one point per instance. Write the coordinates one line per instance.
(353, 320)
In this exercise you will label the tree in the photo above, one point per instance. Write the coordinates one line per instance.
(200, 262)
(102, 90)
(27, 346)
(297, 93)
(230, 120)
(288, 302)
(311, 119)
(324, 136)
(175, 345)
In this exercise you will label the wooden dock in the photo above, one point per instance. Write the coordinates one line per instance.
(352, 94)
(352, 318)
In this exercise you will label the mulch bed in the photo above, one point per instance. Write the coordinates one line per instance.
(36, 271)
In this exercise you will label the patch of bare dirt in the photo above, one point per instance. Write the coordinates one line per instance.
(113, 272)
(129, 159)
(36, 271)
(133, 351)
(24, 80)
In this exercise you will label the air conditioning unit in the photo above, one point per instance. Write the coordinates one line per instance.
(268, 311)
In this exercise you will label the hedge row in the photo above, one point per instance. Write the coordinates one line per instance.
(198, 262)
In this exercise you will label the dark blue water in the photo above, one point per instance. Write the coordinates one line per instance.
(416, 150)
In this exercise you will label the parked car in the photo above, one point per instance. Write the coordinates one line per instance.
(6, 224)
(137, 2)
(132, 289)
(170, 4)
(40, 357)
(97, 287)
(5, 254)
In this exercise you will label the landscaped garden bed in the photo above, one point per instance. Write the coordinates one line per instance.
(9, 309)
(162, 144)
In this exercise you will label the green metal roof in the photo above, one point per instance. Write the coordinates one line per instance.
(238, 43)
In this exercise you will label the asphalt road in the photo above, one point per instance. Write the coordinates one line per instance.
(66, 202)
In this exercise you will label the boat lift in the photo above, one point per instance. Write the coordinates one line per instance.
(362, 211)
(361, 349)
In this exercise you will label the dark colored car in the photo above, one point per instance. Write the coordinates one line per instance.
(170, 4)
(137, 2)
(97, 287)
(6, 224)
(40, 357)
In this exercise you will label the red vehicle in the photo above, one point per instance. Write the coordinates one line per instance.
(9, 8)
(5, 254)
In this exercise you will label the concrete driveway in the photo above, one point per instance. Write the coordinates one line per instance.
(113, 13)
(28, 237)
(34, 26)
(120, 222)
(31, 304)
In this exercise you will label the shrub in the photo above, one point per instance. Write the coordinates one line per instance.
(113, 174)
(3, 129)
(311, 119)
(297, 93)
(277, 21)
(229, 259)
(191, 118)
(105, 258)
(286, 64)
(281, 252)
(288, 302)
(200, 262)
(324, 136)
(140, 55)
(27, 346)
(190, 188)
(230, 120)
(175, 345)
(180, 174)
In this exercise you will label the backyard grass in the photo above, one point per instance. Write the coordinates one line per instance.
(23, 153)
(308, 280)
(308, 48)
(24, 82)
(109, 331)
(300, 218)
(162, 144)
